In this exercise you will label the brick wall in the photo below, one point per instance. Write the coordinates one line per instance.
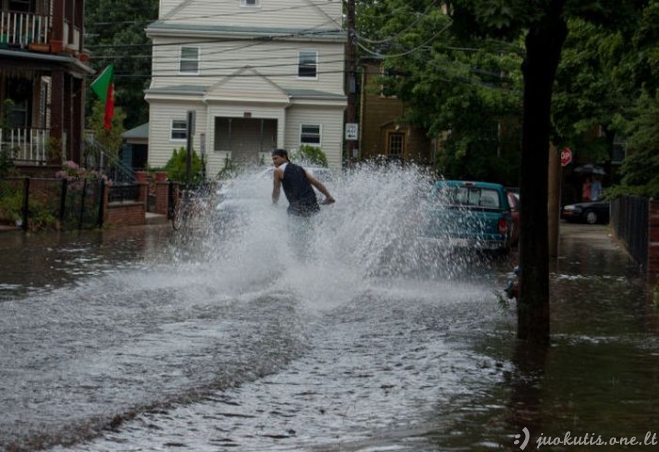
(126, 213)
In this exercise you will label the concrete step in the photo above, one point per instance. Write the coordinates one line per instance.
(155, 218)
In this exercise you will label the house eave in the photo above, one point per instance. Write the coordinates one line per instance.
(167, 30)
(73, 64)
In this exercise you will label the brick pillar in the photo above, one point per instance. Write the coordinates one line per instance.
(162, 197)
(143, 193)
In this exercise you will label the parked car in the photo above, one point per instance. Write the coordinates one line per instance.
(466, 214)
(586, 212)
(513, 200)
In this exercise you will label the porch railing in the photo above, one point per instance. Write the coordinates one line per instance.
(21, 29)
(26, 146)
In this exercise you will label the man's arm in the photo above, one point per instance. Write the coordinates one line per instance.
(276, 188)
(321, 188)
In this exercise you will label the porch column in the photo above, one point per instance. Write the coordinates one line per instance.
(58, 21)
(57, 113)
(77, 119)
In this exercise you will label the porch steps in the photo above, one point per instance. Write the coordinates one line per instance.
(155, 218)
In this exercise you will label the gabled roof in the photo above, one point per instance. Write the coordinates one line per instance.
(141, 131)
(313, 94)
(247, 80)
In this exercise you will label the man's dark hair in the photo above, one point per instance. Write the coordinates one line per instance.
(280, 153)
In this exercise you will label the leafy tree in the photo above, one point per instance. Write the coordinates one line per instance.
(640, 170)
(115, 34)
(639, 122)
(111, 139)
(544, 25)
(448, 83)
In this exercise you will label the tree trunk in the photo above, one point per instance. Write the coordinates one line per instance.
(544, 43)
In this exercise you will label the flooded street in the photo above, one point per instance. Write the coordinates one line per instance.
(251, 336)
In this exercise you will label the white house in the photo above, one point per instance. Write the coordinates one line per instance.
(259, 75)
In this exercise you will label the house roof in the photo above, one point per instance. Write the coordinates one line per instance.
(312, 94)
(141, 131)
(160, 27)
(204, 90)
(179, 89)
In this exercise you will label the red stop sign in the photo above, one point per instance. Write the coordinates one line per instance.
(566, 156)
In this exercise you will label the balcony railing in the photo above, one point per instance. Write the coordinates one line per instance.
(22, 29)
(27, 146)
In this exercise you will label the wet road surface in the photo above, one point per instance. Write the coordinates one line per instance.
(140, 340)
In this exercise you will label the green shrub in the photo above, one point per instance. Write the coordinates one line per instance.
(11, 209)
(177, 170)
(310, 155)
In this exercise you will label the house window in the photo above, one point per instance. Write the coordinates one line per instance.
(179, 130)
(250, 2)
(24, 6)
(310, 135)
(396, 144)
(307, 65)
(189, 63)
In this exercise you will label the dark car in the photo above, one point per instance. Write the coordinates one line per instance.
(513, 200)
(586, 212)
(466, 214)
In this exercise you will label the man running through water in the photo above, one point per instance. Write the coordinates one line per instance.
(298, 186)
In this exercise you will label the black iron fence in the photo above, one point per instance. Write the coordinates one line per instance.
(57, 204)
(629, 219)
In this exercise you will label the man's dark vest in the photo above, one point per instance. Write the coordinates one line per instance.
(299, 192)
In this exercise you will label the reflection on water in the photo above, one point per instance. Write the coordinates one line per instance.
(599, 377)
(36, 262)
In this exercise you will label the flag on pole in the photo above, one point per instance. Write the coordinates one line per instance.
(104, 89)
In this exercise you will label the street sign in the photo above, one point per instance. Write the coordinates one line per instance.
(566, 156)
(352, 131)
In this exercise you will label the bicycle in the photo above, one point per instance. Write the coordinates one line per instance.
(189, 210)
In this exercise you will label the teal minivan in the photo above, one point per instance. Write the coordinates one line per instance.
(465, 214)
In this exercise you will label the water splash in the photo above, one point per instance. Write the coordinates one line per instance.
(371, 234)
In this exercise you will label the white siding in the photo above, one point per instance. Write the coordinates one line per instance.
(271, 13)
(161, 146)
(241, 77)
(331, 122)
(278, 61)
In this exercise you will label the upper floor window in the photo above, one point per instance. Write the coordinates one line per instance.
(189, 62)
(250, 2)
(307, 64)
(179, 130)
(310, 135)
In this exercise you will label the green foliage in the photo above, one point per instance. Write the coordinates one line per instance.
(117, 35)
(11, 209)
(449, 82)
(176, 167)
(6, 153)
(111, 140)
(310, 155)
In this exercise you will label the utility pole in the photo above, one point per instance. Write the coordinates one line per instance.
(351, 68)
